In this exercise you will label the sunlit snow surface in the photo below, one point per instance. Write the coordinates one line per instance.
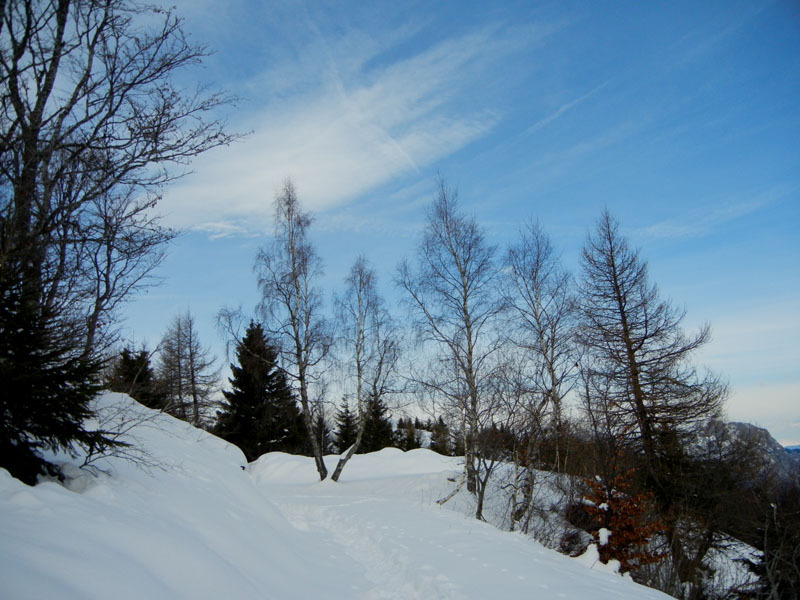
(197, 526)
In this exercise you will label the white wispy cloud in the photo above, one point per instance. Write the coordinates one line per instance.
(363, 121)
(561, 110)
(703, 221)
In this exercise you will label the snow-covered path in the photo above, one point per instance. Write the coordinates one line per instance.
(397, 543)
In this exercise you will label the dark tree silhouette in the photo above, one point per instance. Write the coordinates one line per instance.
(132, 374)
(261, 414)
(346, 427)
(378, 432)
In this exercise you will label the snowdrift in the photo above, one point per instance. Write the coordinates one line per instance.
(195, 524)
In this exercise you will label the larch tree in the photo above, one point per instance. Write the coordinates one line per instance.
(186, 372)
(291, 306)
(639, 371)
(452, 294)
(639, 349)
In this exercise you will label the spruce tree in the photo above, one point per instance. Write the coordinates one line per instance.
(133, 375)
(322, 433)
(378, 432)
(407, 438)
(47, 385)
(346, 427)
(440, 438)
(262, 414)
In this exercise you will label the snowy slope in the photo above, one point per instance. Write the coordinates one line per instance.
(198, 526)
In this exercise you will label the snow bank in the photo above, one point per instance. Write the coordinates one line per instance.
(196, 525)
(192, 526)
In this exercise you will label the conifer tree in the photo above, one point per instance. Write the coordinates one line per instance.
(378, 432)
(322, 433)
(262, 414)
(187, 372)
(640, 355)
(407, 437)
(440, 438)
(133, 375)
(47, 387)
(346, 427)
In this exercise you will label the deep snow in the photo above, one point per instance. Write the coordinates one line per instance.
(196, 525)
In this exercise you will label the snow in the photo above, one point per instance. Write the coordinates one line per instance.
(602, 536)
(196, 525)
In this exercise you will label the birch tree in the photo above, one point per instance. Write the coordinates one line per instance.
(542, 323)
(92, 126)
(291, 306)
(451, 291)
(369, 338)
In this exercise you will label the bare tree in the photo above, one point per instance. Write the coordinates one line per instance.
(186, 371)
(90, 118)
(640, 362)
(369, 337)
(524, 413)
(452, 294)
(543, 316)
(291, 305)
(639, 348)
(121, 244)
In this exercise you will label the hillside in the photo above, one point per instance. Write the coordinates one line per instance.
(195, 524)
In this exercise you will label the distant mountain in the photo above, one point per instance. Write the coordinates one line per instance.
(775, 459)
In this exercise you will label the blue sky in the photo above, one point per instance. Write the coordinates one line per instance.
(681, 118)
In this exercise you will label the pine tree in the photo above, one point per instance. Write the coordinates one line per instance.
(346, 427)
(262, 414)
(378, 432)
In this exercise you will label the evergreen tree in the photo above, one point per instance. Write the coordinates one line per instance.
(378, 432)
(407, 437)
(133, 375)
(47, 385)
(346, 427)
(261, 414)
(440, 438)
(322, 433)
